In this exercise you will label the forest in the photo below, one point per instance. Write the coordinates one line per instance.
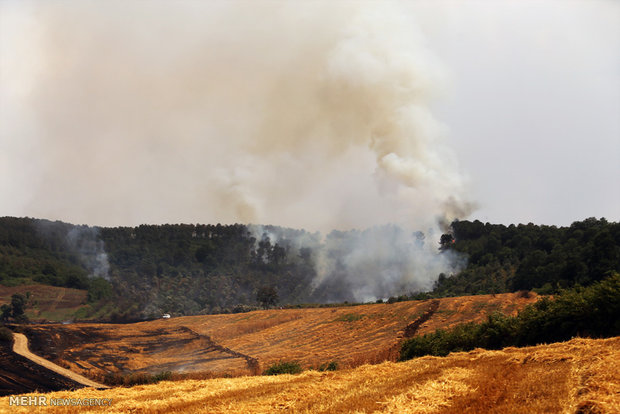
(134, 273)
(530, 257)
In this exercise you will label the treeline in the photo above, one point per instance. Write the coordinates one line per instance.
(525, 257)
(593, 311)
(140, 272)
(49, 253)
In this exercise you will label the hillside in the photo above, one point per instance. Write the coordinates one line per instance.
(527, 256)
(230, 343)
(137, 273)
(48, 302)
(578, 376)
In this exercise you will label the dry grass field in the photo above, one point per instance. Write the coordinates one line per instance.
(350, 336)
(578, 376)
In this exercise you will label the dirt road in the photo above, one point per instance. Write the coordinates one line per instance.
(20, 346)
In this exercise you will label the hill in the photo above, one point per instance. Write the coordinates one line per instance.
(246, 343)
(137, 273)
(527, 256)
(581, 376)
(48, 302)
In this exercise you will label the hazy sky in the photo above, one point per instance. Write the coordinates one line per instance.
(310, 114)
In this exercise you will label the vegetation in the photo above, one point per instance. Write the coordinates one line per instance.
(525, 257)
(135, 273)
(593, 312)
(137, 378)
(349, 317)
(15, 310)
(267, 296)
(330, 366)
(6, 335)
(284, 367)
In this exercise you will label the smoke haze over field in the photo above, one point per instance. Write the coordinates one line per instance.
(311, 115)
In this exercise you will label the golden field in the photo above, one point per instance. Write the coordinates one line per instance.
(226, 344)
(578, 376)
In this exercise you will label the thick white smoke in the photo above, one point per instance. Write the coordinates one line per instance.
(365, 265)
(303, 114)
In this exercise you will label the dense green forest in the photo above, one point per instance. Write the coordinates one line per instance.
(525, 257)
(141, 272)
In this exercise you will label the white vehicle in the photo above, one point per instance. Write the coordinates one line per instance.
(166, 316)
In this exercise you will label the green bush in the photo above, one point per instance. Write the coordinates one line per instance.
(137, 378)
(292, 367)
(6, 335)
(349, 317)
(332, 366)
(592, 312)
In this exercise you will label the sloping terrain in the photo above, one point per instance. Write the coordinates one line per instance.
(94, 350)
(578, 376)
(47, 302)
(348, 335)
(237, 343)
(20, 347)
(19, 375)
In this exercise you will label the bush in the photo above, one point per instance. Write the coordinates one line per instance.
(349, 317)
(138, 378)
(592, 312)
(284, 368)
(332, 366)
(6, 335)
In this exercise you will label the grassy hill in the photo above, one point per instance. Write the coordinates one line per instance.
(48, 302)
(578, 376)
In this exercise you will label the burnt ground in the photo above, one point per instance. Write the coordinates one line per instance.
(97, 350)
(54, 341)
(19, 375)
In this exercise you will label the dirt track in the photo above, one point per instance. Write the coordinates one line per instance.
(20, 346)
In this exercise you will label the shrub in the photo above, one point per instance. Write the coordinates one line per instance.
(332, 366)
(6, 335)
(349, 317)
(593, 311)
(136, 378)
(292, 367)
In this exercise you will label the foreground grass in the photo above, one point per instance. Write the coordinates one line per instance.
(582, 375)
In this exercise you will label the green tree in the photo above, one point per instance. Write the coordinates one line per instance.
(267, 296)
(5, 312)
(18, 305)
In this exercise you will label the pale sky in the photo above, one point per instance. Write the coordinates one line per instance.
(526, 93)
(534, 109)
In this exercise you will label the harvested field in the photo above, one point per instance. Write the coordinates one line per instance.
(94, 350)
(350, 335)
(578, 376)
(234, 343)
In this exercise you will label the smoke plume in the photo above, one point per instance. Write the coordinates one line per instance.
(311, 115)
(83, 242)
(365, 265)
(86, 242)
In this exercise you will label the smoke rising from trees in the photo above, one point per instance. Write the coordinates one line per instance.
(310, 115)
